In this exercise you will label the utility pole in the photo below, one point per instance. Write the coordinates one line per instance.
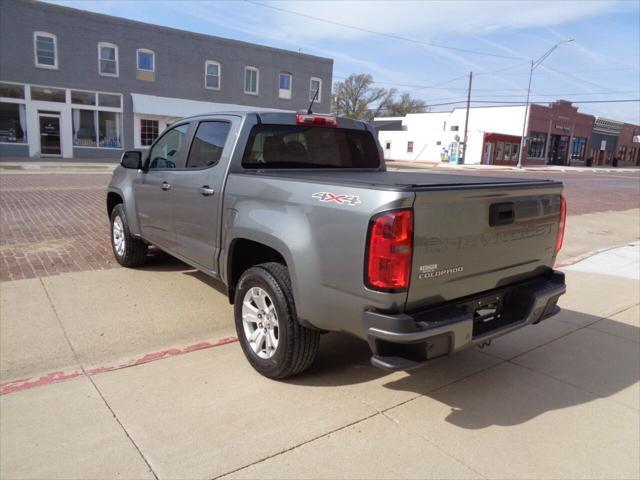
(466, 120)
(534, 64)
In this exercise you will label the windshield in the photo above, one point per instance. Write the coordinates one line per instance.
(298, 146)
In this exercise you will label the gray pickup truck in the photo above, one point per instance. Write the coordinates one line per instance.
(298, 217)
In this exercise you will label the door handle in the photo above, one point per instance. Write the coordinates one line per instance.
(165, 186)
(206, 190)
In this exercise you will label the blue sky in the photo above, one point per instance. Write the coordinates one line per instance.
(603, 62)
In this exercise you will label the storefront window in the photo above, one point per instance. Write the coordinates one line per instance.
(578, 148)
(507, 151)
(10, 90)
(109, 100)
(13, 123)
(84, 128)
(83, 98)
(148, 131)
(109, 128)
(47, 94)
(499, 152)
(537, 143)
(514, 151)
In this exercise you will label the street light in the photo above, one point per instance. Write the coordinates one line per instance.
(534, 65)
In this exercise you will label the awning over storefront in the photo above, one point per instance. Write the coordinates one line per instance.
(178, 107)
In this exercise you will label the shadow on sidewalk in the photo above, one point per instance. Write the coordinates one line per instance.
(499, 395)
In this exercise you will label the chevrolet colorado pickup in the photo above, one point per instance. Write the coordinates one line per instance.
(298, 217)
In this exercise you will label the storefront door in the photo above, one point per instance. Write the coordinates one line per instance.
(558, 150)
(49, 134)
(488, 153)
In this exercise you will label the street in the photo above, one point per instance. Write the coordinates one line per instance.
(136, 373)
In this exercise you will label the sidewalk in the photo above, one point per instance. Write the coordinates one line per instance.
(89, 166)
(555, 400)
(536, 168)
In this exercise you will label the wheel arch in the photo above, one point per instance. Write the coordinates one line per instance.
(113, 199)
(245, 253)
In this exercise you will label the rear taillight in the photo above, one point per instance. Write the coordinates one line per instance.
(390, 250)
(316, 120)
(562, 223)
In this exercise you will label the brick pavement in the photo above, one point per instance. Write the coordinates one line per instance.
(51, 224)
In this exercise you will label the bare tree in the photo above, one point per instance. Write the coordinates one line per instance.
(355, 97)
(405, 104)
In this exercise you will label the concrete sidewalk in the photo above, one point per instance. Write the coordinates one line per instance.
(88, 166)
(556, 400)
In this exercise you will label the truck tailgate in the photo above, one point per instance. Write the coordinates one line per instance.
(473, 238)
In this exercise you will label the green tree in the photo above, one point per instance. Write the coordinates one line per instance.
(356, 97)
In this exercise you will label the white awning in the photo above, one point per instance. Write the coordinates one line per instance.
(178, 107)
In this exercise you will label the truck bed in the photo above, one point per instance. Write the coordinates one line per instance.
(412, 181)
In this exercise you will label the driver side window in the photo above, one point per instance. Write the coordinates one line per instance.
(167, 150)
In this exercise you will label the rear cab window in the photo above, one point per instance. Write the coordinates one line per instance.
(301, 146)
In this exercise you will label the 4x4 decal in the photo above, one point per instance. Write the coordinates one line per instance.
(339, 199)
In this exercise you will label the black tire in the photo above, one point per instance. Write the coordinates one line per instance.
(297, 345)
(135, 249)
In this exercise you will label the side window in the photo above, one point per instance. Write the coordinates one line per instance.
(208, 143)
(166, 152)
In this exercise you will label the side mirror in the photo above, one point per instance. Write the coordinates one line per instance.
(131, 159)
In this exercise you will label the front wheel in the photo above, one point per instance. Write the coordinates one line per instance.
(271, 337)
(128, 250)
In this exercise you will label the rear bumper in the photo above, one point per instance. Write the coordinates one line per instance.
(407, 340)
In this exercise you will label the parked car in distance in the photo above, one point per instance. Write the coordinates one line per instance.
(298, 217)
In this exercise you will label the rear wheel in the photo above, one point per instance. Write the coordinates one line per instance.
(128, 250)
(272, 339)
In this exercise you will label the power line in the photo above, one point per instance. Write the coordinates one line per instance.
(502, 102)
(382, 34)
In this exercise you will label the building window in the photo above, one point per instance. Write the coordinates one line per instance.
(212, 75)
(454, 128)
(96, 123)
(149, 130)
(109, 128)
(46, 94)
(251, 78)
(500, 150)
(284, 90)
(514, 151)
(11, 90)
(409, 147)
(45, 46)
(507, 151)
(537, 143)
(84, 127)
(146, 60)
(578, 148)
(79, 97)
(108, 59)
(315, 85)
(13, 123)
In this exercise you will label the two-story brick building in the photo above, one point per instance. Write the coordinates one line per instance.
(85, 85)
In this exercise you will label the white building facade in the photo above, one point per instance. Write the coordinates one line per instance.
(427, 137)
(555, 134)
